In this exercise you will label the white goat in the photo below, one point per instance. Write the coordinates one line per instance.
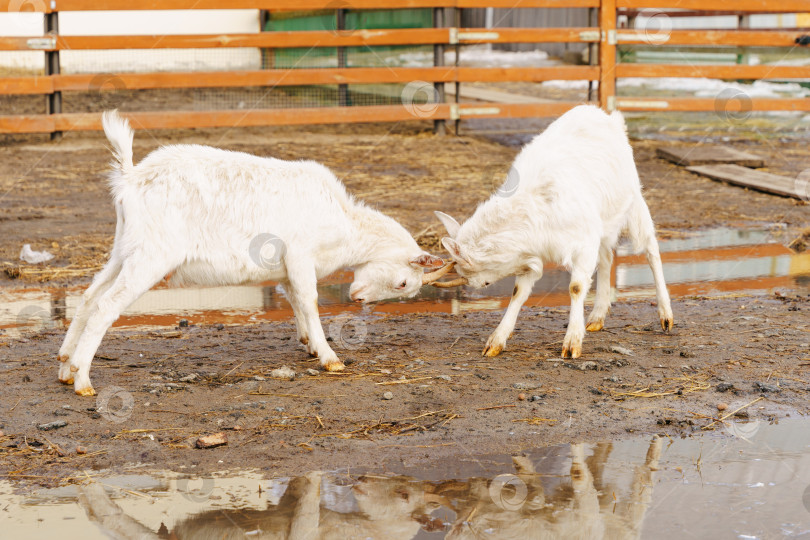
(570, 194)
(216, 217)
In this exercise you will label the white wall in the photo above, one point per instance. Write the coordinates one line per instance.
(123, 23)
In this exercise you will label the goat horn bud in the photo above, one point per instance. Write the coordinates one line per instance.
(430, 277)
(452, 283)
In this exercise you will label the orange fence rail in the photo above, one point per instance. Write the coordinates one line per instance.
(605, 68)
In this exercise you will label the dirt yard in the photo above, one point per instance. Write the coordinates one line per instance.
(743, 352)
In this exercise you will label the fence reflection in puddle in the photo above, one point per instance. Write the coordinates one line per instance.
(709, 262)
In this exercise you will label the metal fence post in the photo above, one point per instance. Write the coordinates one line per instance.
(439, 126)
(592, 21)
(54, 99)
(343, 89)
(607, 54)
(457, 24)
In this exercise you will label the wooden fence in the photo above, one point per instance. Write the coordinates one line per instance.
(605, 69)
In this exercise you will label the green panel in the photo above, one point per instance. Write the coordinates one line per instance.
(355, 20)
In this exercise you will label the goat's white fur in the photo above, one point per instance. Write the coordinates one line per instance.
(193, 211)
(578, 191)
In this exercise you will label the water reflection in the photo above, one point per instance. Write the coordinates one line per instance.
(522, 503)
(748, 480)
(706, 262)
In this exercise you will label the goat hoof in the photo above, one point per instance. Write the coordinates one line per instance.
(573, 351)
(304, 340)
(66, 381)
(63, 358)
(492, 350)
(88, 391)
(334, 366)
(595, 326)
(667, 324)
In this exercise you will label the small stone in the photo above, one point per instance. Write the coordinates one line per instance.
(724, 387)
(183, 323)
(81, 450)
(525, 385)
(313, 372)
(722, 406)
(588, 364)
(385, 371)
(765, 387)
(279, 409)
(219, 326)
(444, 377)
(212, 441)
(52, 425)
(621, 350)
(258, 378)
(535, 398)
(388, 395)
(283, 372)
(189, 378)
(741, 414)
(522, 397)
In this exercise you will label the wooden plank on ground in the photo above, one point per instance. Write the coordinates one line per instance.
(709, 154)
(750, 178)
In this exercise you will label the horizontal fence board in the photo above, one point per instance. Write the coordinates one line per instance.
(269, 117)
(307, 39)
(783, 6)
(728, 38)
(283, 77)
(738, 106)
(714, 71)
(44, 6)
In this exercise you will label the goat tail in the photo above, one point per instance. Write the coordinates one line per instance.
(120, 135)
(617, 118)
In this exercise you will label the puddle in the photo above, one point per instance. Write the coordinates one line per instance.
(718, 261)
(751, 480)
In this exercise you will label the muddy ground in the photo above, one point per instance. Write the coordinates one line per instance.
(446, 399)
(451, 401)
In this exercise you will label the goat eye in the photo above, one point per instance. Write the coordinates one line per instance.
(486, 284)
(402, 285)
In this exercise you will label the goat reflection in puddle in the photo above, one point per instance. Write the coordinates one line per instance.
(507, 506)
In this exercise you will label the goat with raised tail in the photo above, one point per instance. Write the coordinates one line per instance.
(569, 196)
(216, 217)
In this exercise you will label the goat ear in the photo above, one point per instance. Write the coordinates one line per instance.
(455, 250)
(426, 260)
(449, 223)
